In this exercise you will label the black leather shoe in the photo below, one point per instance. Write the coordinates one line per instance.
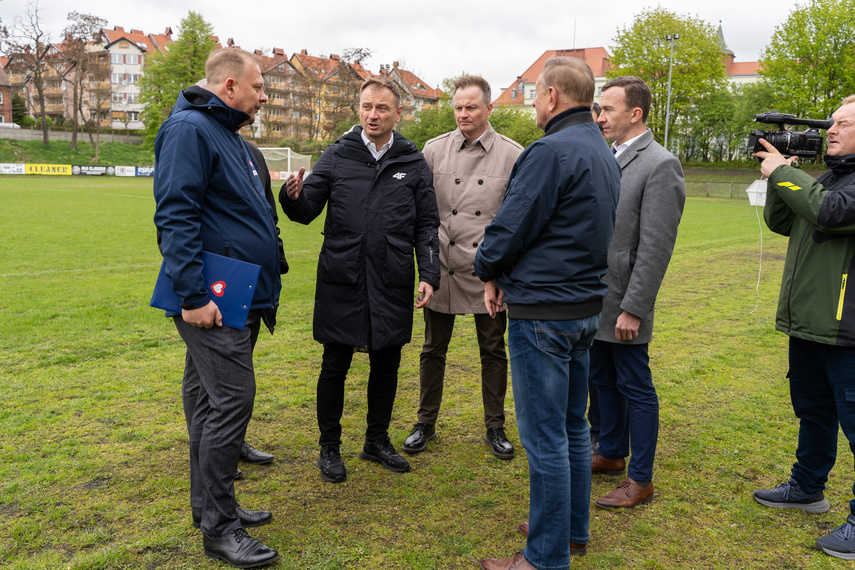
(238, 474)
(247, 518)
(499, 444)
(332, 468)
(248, 454)
(383, 453)
(239, 549)
(419, 437)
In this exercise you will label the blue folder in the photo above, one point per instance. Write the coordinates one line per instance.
(230, 282)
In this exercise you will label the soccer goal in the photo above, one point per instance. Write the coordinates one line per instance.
(282, 161)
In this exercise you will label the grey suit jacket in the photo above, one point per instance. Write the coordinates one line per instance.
(652, 195)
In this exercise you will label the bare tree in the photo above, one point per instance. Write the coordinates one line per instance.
(28, 44)
(79, 35)
(100, 91)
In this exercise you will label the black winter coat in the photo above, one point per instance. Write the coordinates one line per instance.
(377, 215)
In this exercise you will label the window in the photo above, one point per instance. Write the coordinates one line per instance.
(116, 78)
(133, 77)
(134, 116)
(1, 99)
(132, 59)
(117, 58)
(125, 97)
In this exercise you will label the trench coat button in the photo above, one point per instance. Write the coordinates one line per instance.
(457, 181)
(453, 212)
(451, 242)
(480, 181)
(451, 272)
(475, 245)
(477, 212)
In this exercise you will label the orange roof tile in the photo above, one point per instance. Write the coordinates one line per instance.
(597, 59)
(417, 86)
(745, 68)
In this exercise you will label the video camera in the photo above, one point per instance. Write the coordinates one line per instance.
(803, 144)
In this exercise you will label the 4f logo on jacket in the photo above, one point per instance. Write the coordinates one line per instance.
(399, 175)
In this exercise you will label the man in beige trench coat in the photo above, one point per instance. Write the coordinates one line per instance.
(470, 168)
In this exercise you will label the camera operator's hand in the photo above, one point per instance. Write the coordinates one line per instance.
(772, 159)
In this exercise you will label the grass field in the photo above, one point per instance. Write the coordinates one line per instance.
(93, 468)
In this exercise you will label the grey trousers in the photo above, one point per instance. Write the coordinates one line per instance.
(494, 365)
(218, 392)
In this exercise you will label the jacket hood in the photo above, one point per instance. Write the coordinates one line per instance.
(199, 99)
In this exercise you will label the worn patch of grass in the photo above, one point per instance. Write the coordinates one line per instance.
(93, 469)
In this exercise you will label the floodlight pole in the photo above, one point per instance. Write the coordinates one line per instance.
(670, 39)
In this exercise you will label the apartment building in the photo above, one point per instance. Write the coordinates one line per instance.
(117, 97)
(5, 97)
(289, 109)
(521, 92)
(416, 95)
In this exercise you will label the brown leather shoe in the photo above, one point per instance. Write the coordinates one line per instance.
(515, 562)
(627, 495)
(600, 464)
(575, 549)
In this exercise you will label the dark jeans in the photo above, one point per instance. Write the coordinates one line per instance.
(549, 374)
(494, 365)
(629, 406)
(822, 389)
(218, 392)
(382, 386)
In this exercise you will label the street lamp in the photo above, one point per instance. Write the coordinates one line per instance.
(670, 38)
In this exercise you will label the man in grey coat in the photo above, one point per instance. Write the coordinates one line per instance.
(652, 195)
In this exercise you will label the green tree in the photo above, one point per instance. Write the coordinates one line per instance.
(810, 62)
(19, 108)
(516, 123)
(179, 68)
(641, 49)
(429, 123)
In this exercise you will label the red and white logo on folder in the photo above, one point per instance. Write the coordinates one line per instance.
(218, 288)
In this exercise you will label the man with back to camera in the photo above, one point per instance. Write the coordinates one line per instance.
(816, 308)
(209, 197)
(545, 253)
(380, 207)
(470, 168)
(652, 195)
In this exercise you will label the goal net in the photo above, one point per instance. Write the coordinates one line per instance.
(282, 161)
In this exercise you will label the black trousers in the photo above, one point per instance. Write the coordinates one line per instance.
(218, 392)
(382, 387)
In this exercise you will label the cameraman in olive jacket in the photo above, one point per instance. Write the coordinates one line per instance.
(816, 308)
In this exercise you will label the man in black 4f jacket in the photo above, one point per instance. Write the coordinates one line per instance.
(380, 207)
(816, 308)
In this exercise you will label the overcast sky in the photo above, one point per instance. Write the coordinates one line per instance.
(435, 40)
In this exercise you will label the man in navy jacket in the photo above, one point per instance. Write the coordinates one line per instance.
(545, 254)
(209, 197)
